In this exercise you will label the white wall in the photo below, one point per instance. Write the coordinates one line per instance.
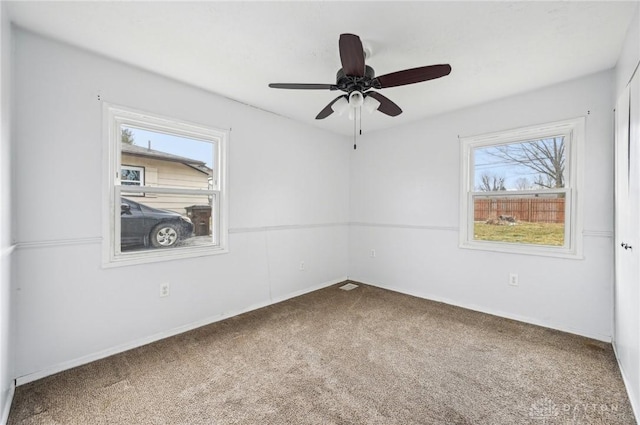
(289, 203)
(405, 185)
(6, 371)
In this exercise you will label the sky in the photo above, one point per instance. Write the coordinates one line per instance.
(487, 162)
(182, 146)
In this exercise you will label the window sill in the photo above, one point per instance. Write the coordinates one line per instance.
(161, 255)
(521, 249)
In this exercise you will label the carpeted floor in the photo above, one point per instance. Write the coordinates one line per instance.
(366, 356)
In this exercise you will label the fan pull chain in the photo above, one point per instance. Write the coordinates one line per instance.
(355, 123)
(357, 118)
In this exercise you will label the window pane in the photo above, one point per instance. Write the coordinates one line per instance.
(167, 160)
(531, 165)
(167, 221)
(532, 219)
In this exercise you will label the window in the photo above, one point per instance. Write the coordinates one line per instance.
(520, 190)
(166, 188)
(131, 176)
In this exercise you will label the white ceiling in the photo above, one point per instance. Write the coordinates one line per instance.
(235, 49)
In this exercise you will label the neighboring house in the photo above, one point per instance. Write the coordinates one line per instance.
(148, 167)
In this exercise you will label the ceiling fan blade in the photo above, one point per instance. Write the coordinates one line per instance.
(351, 55)
(386, 105)
(297, 86)
(413, 75)
(327, 109)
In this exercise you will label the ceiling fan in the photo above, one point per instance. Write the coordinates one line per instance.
(357, 80)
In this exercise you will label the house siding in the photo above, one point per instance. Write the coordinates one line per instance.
(159, 173)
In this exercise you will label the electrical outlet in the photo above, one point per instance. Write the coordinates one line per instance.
(372, 254)
(164, 289)
(513, 279)
(302, 267)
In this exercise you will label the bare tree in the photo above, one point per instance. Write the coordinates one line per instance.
(543, 180)
(523, 183)
(491, 183)
(545, 157)
(127, 136)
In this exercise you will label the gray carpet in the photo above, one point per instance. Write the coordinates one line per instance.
(367, 356)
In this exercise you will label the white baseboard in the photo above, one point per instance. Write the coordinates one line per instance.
(524, 319)
(6, 407)
(632, 400)
(162, 335)
(303, 291)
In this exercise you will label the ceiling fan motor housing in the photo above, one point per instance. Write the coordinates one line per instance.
(350, 83)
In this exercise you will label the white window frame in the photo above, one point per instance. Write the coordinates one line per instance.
(574, 132)
(114, 117)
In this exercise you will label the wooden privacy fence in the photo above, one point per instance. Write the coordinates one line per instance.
(535, 210)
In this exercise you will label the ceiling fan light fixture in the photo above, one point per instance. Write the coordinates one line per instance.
(370, 104)
(340, 106)
(356, 99)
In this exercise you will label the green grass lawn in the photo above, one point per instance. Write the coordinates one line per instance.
(521, 232)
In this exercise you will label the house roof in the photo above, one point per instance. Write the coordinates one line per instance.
(141, 151)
